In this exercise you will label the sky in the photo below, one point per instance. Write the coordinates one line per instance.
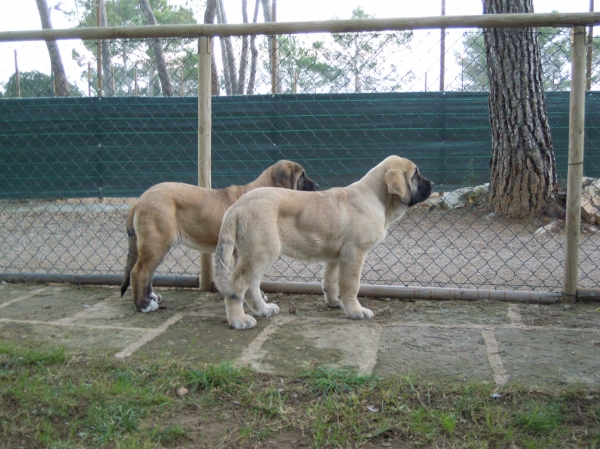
(23, 15)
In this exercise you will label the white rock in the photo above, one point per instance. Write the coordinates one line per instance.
(463, 197)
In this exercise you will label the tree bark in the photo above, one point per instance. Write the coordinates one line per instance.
(107, 71)
(209, 17)
(157, 47)
(254, 52)
(273, 63)
(523, 168)
(244, 54)
(58, 70)
(229, 64)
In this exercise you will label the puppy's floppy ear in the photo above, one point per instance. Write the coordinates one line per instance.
(284, 177)
(297, 171)
(396, 184)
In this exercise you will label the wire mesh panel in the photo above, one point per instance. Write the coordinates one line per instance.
(336, 103)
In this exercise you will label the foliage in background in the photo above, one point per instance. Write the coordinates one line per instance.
(342, 62)
(33, 84)
(555, 48)
(181, 54)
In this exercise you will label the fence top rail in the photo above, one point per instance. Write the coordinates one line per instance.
(327, 26)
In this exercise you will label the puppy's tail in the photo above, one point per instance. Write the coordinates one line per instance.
(224, 251)
(132, 254)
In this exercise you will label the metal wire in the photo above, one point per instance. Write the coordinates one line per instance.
(72, 166)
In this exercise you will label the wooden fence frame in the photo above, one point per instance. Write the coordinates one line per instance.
(204, 32)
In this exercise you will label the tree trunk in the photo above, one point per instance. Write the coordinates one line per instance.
(244, 54)
(229, 64)
(58, 70)
(209, 17)
(157, 48)
(254, 52)
(523, 168)
(107, 72)
(273, 63)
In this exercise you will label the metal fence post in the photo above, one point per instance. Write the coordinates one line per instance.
(204, 135)
(574, 177)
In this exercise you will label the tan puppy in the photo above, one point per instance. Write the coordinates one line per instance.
(338, 227)
(174, 213)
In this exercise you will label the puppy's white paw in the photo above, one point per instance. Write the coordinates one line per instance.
(268, 310)
(155, 297)
(151, 307)
(246, 322)
(362, 314)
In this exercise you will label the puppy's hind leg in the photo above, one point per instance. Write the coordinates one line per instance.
(151, 254)
(256, 300)
(245, 282)
(331, 276)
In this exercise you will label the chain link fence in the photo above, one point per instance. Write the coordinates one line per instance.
(336, 103)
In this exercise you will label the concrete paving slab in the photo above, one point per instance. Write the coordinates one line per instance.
(77, 340)
(561, 315)
(444, 340)
(456, 312)
(436, 352)
(548, 356)
(199, 339)
(295, 344)
(8, 296)
(53, 303)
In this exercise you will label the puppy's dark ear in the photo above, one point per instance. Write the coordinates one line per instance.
(284, 177)
(396, 184)
(297, 173)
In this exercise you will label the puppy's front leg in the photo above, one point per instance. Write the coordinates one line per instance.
(349, 284)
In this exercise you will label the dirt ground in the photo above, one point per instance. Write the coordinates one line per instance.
(530, 344)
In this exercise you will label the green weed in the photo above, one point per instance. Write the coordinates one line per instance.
(222, 376)
(324, 381)
(11, 357)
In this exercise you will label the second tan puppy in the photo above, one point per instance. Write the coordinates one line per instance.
(174, 213)
(338, 227)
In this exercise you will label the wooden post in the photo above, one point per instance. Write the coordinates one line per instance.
(274, 86)
(590, 41)
(135, 83)
(442, 51)
(17, 80)
(204, 142)
(99, 49)
(89, 79)
(576, 141)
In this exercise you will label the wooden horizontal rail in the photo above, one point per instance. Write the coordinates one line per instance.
(327, 26)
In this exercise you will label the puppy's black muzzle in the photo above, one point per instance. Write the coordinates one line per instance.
(307, 184)
(423, 191)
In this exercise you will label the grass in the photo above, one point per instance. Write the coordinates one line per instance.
(55, 400)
